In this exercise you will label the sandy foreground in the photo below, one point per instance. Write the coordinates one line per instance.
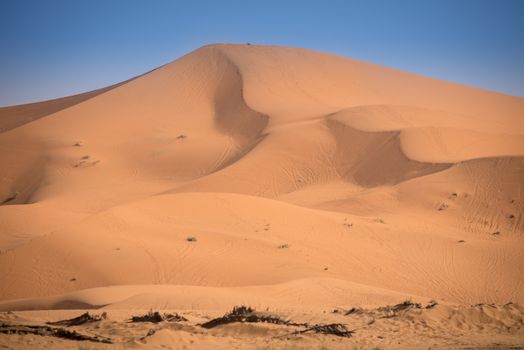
(314, 188)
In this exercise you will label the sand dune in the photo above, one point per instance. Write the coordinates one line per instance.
(309, 182)
(15, 116)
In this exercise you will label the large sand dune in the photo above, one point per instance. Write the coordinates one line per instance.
(310, 182)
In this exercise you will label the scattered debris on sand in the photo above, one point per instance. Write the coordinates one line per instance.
(391, 310)
(337, 329)
(82, 319)
(150, 332)
(156, 317)
(246, 314)
(47, 331)
(347, 224)
(355, 311)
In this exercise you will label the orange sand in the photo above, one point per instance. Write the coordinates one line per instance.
(370, 176)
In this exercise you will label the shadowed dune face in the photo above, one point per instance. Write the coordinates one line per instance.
(232, 114)
(301, 176)
(448, 137)
(375, 158)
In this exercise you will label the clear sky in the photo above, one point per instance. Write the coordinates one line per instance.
(55, 48)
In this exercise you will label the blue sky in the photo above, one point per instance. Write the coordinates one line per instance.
(55, 48)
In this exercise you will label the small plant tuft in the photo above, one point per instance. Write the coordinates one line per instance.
(432, 303)
(443, 206)
(11, 198)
